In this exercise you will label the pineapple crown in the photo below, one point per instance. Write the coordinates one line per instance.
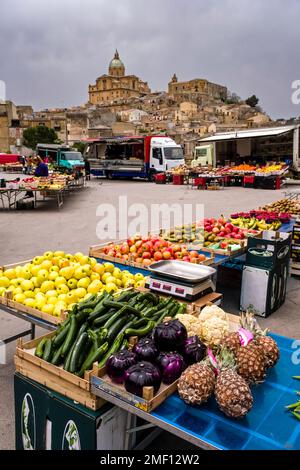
(249, 322)
(223, 360)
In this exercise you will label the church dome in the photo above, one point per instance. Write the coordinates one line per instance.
(116, 66)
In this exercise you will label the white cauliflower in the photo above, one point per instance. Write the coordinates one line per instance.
(192, 324)
(213, 330)
(212, 311)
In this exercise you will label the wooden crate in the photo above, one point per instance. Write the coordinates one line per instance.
(54, 377)
(146, 403)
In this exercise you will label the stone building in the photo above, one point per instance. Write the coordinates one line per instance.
(116, 85)
(198, 90)
(9, 126)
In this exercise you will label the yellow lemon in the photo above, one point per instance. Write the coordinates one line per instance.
(72, 283)
(110, 287)
(53, 275)
(52, 300)
(140, 283)
(84, 282)
(99, 268)
(37, 260)
(16, 282)
(4, 281)
(54, 269)
(128, 283)
(119, 282)
(51, 293)
(93, 262)
(62, 289)
(48, 254)
(59, 281)
(80, 292)
(10, 273)
(71, 297)
(78, 256)
(47, 285)
(39, 303)
(42, 275)
(59, 254)
(84, 260)
(35, 268)
(95, 287)
(138, 277)
(29, 294)
(87, 269)
(69, 257)
(110, 279)
(20, 298)
(67, 272)
(125, 272)
(62, 297)
(108, 267)
(27, 284)
(37, 289)
(48, 308)
(86, 297)
(25, 273)
(39, 296)
(29, 302)
(95, 277)
(117, 273)
(18, 290)
(79, 273)
(47, 264)
(35, 281)
(105, 276)
(2, 290)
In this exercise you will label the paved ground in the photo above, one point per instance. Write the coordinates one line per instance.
(28, 233)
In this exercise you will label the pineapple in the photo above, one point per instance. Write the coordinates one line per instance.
(196, 384)
(232, 392)
(266, 344)
(232, 342)
(251, 363)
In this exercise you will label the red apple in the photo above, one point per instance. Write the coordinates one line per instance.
(216, 230)
(236, 229)
(229, 225)
(118, 255)
(111, 253)
(158, 256)
(147, 262)
(194, 254)
(208, 228)
(125, 257)
(237, 236)
(139, 260)
(124, 249)
(223, 245)
(178, 255)
(138, 243)
(166, 255)
(186, 258)
(146, 255)
(222, 234)
(176, 248)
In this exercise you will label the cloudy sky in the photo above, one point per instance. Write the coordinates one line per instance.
(50, 50)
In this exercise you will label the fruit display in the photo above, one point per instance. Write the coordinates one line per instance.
(56, 281)
(285, 206)
(294, 408)
(260, 220)
(149, 249)
(271, 170)
(100, 326)
(244, 168)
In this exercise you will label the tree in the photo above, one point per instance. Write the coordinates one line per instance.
(79, 146)
(252, 101)
(232, 98)
(39, 135)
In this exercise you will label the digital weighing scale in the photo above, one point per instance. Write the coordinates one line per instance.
(180, 279)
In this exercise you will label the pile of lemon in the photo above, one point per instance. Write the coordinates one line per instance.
(56, 281)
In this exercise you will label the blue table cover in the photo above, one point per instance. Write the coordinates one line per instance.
(268, 426)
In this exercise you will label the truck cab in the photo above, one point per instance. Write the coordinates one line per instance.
(165, 154)
(61, 156)
(203, 155)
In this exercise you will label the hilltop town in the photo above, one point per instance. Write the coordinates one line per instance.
(123, 104)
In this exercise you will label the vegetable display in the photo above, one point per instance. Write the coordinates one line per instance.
(101, 325)
(193, 350)
(146, 350)
(117, 364)
(294, 408)
(170, 335)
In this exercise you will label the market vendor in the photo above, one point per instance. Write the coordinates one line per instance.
(40, 171)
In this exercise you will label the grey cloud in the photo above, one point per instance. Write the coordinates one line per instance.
(51, 51)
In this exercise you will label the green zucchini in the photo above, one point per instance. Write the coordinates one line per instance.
(141, 331)
(39, 351)
(61, 336)
(56, 358)
(70, 336)
(79, 346)
(115, 329)
(101, 320)
(114, 317)
(113, 349)
(47, 350)
(93, 356)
